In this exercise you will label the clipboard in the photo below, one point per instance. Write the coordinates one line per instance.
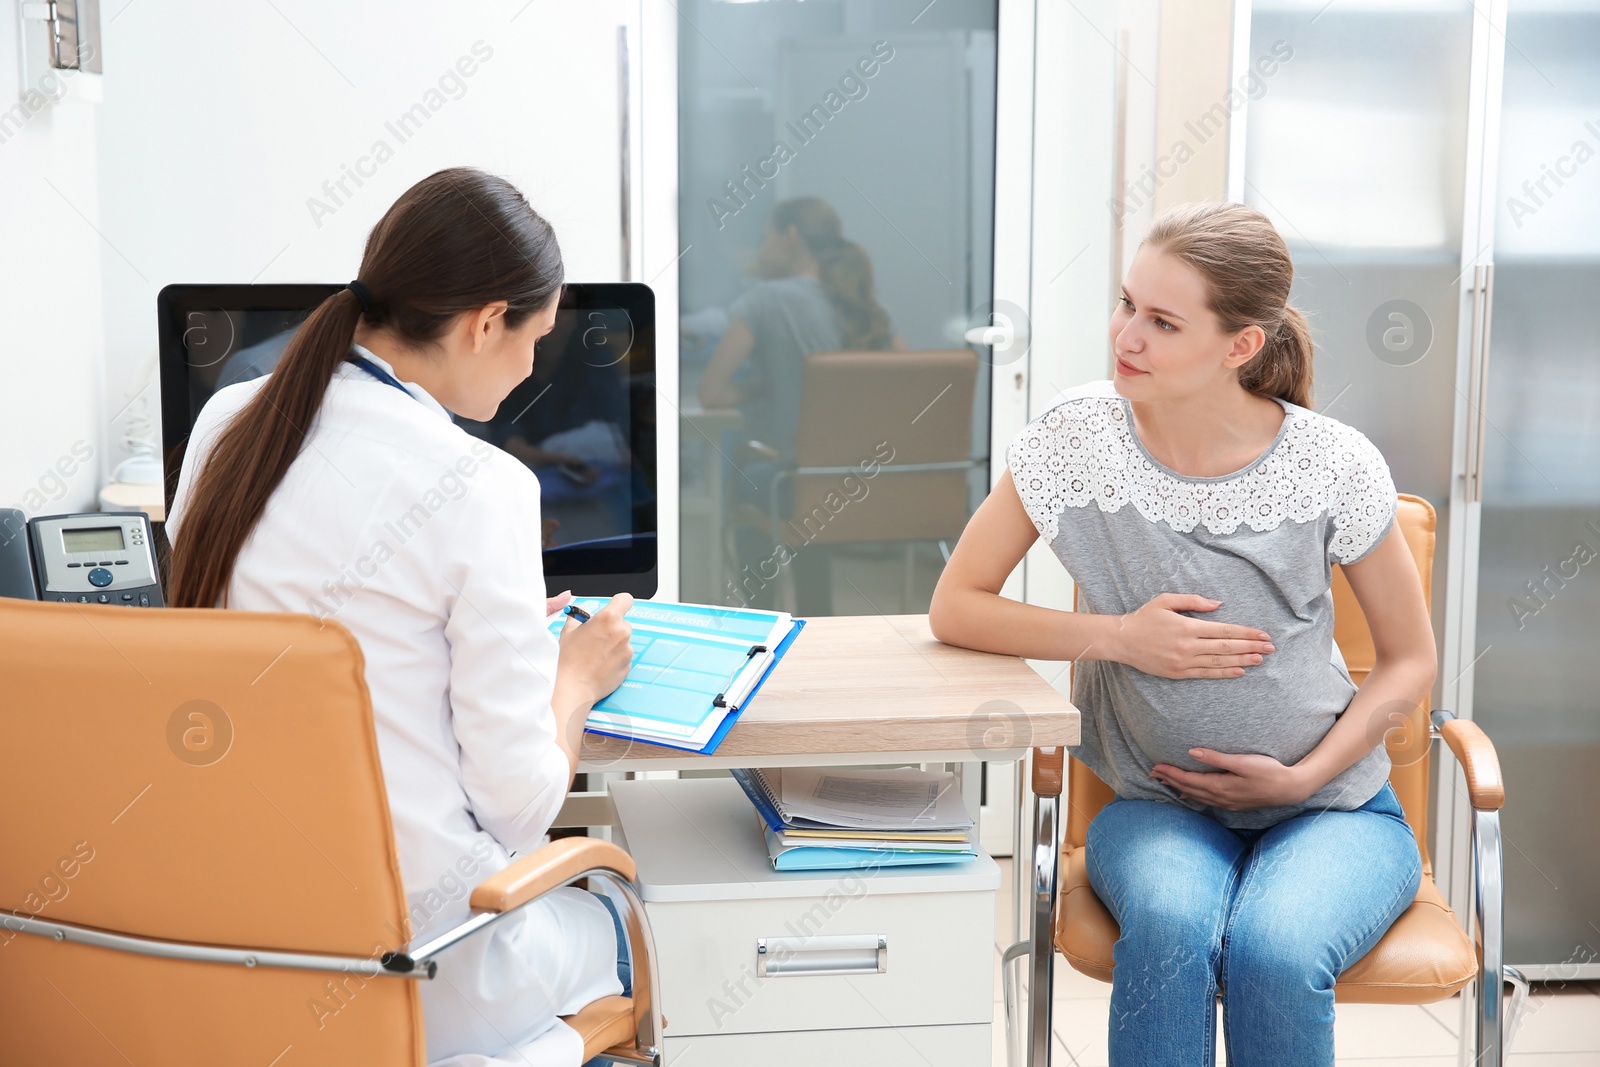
(729, 719)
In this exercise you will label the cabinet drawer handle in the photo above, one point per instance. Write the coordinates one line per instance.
(834, 954)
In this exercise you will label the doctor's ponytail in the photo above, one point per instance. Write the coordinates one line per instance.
(456, 241)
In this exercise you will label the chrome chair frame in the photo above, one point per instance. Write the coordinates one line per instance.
(1039, 946)
(1491, 1025)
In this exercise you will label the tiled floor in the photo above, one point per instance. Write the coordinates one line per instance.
(1558, 1028)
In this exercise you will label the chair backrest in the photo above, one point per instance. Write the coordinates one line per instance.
(1407, 743)
(917, 404)
(199, 776)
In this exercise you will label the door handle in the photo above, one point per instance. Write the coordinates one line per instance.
(624, 150)
(1478, 368)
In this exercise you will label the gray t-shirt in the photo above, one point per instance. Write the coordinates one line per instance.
(790, 318)
(1263, 540)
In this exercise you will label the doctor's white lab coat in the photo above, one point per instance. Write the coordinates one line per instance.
(425, 542)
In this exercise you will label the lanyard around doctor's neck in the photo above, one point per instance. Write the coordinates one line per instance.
(379, 373)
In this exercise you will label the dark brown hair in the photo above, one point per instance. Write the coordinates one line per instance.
(455, 242)
(1248, 272)
(844, 266)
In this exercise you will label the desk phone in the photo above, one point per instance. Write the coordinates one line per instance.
(93, 558)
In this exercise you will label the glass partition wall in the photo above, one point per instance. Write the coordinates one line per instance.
(1534, 685)
(1432, 165)
(1356, 149)
(836, 192)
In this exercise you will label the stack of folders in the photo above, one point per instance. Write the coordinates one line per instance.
(820, 819)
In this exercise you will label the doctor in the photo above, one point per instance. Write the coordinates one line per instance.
(339, 486)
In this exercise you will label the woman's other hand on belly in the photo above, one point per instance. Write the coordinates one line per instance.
(1240, 782)
(1157, 640)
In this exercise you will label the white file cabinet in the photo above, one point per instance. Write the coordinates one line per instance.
(886, 967)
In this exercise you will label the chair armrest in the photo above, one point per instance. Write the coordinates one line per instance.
(553, 865)
(1479, 761)
(1048, 769)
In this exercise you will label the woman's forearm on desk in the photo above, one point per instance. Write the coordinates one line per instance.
(989, 622)
(967, 607)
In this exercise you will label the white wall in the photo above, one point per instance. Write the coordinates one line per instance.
(51, 425)
(227, 128)
(1074, 224)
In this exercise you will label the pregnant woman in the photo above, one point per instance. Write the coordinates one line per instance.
(1255, 848)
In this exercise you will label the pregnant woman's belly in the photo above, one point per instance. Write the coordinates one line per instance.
(1281, 708)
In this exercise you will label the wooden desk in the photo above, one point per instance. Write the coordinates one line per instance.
(873, 689)
(881, 689)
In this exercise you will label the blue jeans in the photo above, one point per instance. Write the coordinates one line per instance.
(1268, 918)
(624, 964)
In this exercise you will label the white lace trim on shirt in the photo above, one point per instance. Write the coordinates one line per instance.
(1083, 451)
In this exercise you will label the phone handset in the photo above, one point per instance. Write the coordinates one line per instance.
(16, 568)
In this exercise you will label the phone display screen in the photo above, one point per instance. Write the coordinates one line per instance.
(98, 539)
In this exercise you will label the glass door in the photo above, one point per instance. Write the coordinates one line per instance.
(1533, 685)
(1431, 164)
(835, 214)
(1356, 148)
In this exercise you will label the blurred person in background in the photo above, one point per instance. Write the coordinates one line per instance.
(815, 294)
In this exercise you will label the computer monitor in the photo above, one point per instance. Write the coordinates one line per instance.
(584, 422)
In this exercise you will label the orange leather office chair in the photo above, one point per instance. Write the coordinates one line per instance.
(196, 858)
(920, 403)
(1425, 956)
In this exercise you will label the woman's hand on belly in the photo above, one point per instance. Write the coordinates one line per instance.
(1157, 640)
(1241, 782)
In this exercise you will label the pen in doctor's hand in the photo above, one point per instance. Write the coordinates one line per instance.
(595, 656)
(595, 648)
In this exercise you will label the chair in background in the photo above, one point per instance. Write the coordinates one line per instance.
(199, 865)
(920, 403)
(1425, 956)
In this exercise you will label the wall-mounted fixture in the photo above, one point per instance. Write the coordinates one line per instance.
(74, 32)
